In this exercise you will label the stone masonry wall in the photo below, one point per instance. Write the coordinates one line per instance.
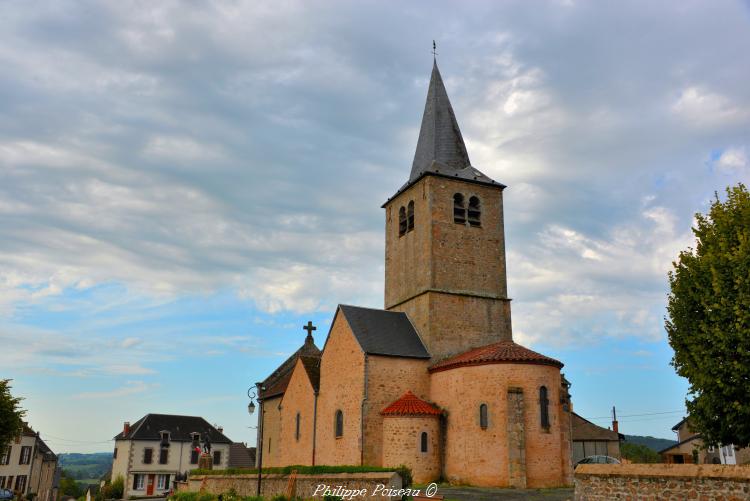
(402, 437)
(662, 482)
(480, 456)
(449, 278)
(271, 432)
(388, 379)
(298, 398)
(277, 484)
(341, 387)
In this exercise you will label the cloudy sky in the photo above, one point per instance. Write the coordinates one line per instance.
(184, 184)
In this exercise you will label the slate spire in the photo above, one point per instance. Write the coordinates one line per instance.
(440, 138)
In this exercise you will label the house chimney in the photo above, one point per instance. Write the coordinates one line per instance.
(220, 429)
(614, 420)
(126, 428)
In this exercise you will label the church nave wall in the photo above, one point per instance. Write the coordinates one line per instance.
(341, 388)
(299, 398)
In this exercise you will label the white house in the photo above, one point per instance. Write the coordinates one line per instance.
(28, 466)
(157, 447)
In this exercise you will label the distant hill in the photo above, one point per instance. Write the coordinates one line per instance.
(86, 466)
(653, 443)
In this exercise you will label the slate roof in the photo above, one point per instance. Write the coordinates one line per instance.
(411, 405)
(275, 384)
(179, 427)
(381, 332)
(241, 456)
(502, 352)
(312, 367)
(441, 149)
(677, 426)
(584, 429)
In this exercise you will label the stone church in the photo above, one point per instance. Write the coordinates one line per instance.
(434, 380)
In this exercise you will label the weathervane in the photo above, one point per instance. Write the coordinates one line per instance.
(434, 50)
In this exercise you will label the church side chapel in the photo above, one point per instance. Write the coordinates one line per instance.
(434, 380)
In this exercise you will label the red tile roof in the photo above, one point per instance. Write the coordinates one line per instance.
(497, 353)
(410, 405)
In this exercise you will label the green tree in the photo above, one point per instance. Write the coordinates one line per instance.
(638, 453)
(708, 320)
(11, 415)
(69, 486)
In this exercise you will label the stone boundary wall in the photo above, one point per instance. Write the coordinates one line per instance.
(274, 484)
(678, 482)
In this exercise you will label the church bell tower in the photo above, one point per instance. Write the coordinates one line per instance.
(445, 242)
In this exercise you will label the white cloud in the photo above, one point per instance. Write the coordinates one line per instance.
(130, 388)
(733, 161)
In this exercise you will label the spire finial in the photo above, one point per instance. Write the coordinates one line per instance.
(434, 51)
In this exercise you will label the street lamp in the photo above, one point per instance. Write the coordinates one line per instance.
(259, 442)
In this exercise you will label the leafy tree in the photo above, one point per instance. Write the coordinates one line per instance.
(708, 321)
(69, 486)
(11, 415)
(638, 453)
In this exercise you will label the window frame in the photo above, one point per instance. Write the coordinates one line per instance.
(484, 416)
(217, 457)
(424, 444)
(163, 455)
(338, 423)
(402, 224)
(544, 408)
(148, 455)
(20, 479)
(161, 482)
(297, 426)
(194, 456)
(25, 456)
(410, 216)
(5, 458)
(474, 212)
(459, 208)
(139, 481)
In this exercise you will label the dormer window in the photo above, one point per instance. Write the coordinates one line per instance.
(164, 438)
(459, 210)
(195, 437)
(475, 213)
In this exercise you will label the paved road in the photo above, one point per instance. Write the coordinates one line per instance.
(484, 494)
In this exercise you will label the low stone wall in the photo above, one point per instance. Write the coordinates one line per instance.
(307, 486)
(678, 482)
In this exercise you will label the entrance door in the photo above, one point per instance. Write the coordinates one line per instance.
(150, 485)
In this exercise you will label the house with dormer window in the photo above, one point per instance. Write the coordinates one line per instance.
(150, 452)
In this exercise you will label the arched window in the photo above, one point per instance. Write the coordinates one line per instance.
(459, 210)
(410, 216)
(339, 424)
(401, 222)
(296, 433)
(423, 442)
(544, 407)
(483, 416)
(475, 213)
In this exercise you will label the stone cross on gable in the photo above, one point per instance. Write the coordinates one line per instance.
(309, 328)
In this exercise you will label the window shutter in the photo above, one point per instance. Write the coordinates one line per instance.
(135, 482)
(166, 482)
(194, 457)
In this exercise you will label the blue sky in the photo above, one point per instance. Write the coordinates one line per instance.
(184, 185)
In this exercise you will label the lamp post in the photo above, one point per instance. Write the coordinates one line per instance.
(259, 442)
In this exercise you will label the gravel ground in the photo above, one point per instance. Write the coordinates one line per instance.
(486, 494)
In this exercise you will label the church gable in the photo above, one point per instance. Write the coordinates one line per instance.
(342, 377)
(296, 413)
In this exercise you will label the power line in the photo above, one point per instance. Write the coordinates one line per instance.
(54, 438)
(636, 415)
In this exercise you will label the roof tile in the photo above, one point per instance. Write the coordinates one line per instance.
(411, 405)
(502, 352)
